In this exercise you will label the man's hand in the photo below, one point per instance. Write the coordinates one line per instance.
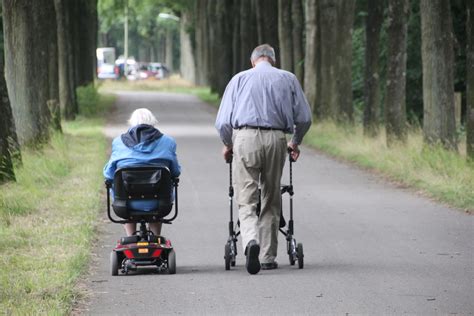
(295, 152)
(227, 153)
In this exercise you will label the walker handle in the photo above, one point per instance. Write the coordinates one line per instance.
(290, 150)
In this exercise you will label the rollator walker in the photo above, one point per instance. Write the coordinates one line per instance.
(294, 250)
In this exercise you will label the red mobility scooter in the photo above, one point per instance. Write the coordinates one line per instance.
(154, 184)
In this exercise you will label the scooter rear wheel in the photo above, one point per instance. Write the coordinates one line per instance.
(172, 262)
(113, 263)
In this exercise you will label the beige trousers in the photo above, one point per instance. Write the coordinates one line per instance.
(259, 157)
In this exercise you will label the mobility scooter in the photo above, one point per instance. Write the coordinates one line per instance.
(153, 184)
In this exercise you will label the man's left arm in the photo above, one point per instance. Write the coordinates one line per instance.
(302, 116)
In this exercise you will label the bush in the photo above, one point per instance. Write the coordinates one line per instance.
(88, 100)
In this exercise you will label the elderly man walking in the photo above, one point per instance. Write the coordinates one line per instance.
(258, 108)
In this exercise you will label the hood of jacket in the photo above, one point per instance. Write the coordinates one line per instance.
(141, 138)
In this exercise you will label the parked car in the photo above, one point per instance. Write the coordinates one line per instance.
(152, 71)
(107, 71)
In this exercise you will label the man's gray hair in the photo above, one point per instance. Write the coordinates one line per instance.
(264, 50)
(142, 116)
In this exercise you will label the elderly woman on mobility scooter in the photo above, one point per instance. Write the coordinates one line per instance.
(141, 176)
(142, 144)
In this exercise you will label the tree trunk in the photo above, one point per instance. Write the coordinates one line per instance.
(221, 44)
(202, 39)
(343, 93)
(395, 107)
(267, 25)
(248, 37)
(25, 27)
(94, 38)
(212, 20)
(285, 35)
(187, 64)
(437, 54)
(7, 130)
(73, 53)
(53, 73)
(85, 29)
(470, 80)
(65, 92)
(236, 39)
(327, 107)
(297, 20)
(372, 77)
(311, 66)
(169, 49)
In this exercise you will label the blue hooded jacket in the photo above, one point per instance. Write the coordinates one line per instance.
(142, 144)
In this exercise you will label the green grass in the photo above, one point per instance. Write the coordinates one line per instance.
(443, 175)
(47, 220)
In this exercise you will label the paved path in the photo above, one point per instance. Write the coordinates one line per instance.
(370, 248)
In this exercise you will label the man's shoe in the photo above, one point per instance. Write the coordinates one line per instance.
(269, 265)
(252, 251)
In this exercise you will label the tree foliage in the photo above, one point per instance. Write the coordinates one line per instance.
(147, 30)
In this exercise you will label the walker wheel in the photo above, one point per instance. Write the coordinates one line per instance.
(291, 252)
(292, 260)
(227, 257)
(300, 255)
(113, 263)
(172, 262)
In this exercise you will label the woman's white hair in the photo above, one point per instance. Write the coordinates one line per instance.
(142, 116)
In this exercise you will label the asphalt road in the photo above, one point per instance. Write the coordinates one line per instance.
(370, 247)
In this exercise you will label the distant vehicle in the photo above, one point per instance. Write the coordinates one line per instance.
(132, 68)
(106, 68)
(153, 71)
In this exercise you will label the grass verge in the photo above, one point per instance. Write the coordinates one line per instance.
(444, 175)
(47, 220)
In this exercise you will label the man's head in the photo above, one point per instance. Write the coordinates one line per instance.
(142, 116)
(263, 52)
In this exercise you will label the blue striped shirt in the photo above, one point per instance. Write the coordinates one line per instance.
(264, 96)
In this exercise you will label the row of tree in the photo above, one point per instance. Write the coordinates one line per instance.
(47, 51)
(152, 37)
(315, 40)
